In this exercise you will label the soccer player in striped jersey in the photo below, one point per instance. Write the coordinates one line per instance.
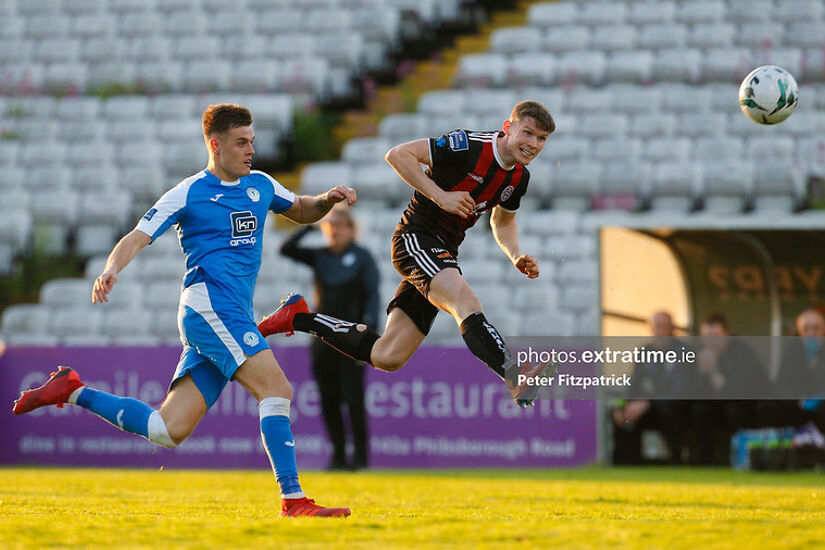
(219, 216)
(469, 173)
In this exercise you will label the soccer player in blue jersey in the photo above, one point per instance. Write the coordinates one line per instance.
(219, 215)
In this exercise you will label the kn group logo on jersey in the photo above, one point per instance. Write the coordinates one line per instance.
(244, 225)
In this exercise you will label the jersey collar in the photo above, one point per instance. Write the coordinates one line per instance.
(224, 183)
(498, 158)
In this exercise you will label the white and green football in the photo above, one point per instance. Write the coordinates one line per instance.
(768, 95)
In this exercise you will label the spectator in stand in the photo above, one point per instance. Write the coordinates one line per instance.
(802, 372)
(665, 411)
(346, 287)
(734, 376)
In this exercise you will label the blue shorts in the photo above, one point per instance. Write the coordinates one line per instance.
(214, 344)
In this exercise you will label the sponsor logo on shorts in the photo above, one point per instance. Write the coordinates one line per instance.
(251, 339)
(444, 255)
(507, 192)
(253, 194)
(437, 250)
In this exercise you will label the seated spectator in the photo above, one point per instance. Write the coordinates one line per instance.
(732, 372)
(802, 371)
(664, 412)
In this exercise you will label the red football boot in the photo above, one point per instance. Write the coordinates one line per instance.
(295, 507)
(281, 319)
(55, 391)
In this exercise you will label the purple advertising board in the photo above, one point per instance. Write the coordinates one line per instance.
(442, 410)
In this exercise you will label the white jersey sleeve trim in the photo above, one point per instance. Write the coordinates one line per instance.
(168, 209)
(284, 198)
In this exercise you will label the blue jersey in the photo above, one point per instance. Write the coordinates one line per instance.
(220, 227)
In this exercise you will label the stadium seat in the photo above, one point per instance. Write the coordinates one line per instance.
(577, 298)
(91, 239)
(728, 184)
(703, 125)
(602, 125)
(366, 149)
(512, 40)
(48, 178)
(777, 185)
(58, 50)
(625, 185)
(60, 78)
(378, 181)
(146, 49)
(162, 268)
(187, 23)
(81, 7)
(100, 50)
(254, 76)
(80, 154)
(712, 149)
(206, 75)
(482, 70)
(65, 292)
(552, 14)
(162, 295)
(675, 186)
(761, 35)
(12, 179)
(600, 13)
(133, 25)
(637, 100)
(138, 154)
(112, 207)
(445, 102)
(111, 74)
(9, 153)
(662, 36)
(552, 223)
(749, 11)
(789, 59)
(726, 64)
(14, 50)
(12, 28)
(91, 26)
(320, 176)
(144, 182)
(700, 11)
(40, 154)
(403, 127)
(191, 48)
(532, 69)
(160, 76)
(609, 38)
(712, 35)
(583, 100)
(630, 66)
(779, 148)
(172, 106)
(44, 27)
(805, 35)
(569, 246)
(184, 159)
(125, 131)
(568, 147)
(582, 67)
(131, 6)
(610, 149)
(25, 319)
(100, 178)
(305, 76)
(644, 13)
(574, 184)
(77, 320)
(800, 11)
(15, 225)
(540, 297)
(560, 38)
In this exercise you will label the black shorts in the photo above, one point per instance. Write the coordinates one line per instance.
(418, 257)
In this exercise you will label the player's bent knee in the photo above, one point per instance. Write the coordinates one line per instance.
(158, 433)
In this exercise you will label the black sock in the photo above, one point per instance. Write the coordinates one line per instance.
(344, 336)
(486, 343)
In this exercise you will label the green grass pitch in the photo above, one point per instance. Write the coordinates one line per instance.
(579, 508)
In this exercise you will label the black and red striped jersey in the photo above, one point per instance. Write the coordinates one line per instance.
(465, 161)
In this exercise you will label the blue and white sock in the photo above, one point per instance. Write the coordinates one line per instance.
(130, 415)
(280, 445)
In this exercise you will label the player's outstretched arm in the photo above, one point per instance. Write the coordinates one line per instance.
(123, 253)
(505, 231)
(308, 209)
(407, 158)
